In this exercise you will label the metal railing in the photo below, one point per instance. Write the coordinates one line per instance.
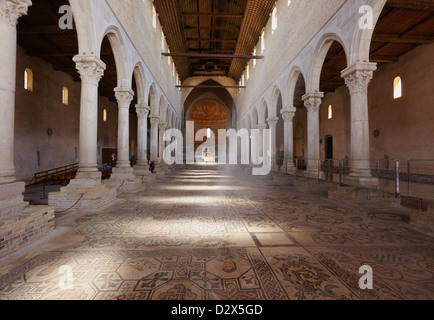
(402, 177)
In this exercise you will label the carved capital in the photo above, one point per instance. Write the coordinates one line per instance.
(357, 77)
(358, 82)
(162, 125)
(12, 10)
(272, 122)
(124, 96)
(262, 126)
(155, 120)
(142, 111)
(312, 101)
(90, 68)
(288, 114)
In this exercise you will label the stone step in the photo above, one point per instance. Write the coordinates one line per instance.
(355, 195)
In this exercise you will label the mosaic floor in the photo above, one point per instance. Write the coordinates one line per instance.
(223, 235)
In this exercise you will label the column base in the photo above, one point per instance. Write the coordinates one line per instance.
(290, 169)
(124, 180)
(361, 180)
(313, 174)
(141, 170)
(82, 194)
(12, 199)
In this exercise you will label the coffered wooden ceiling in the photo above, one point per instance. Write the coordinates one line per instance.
(228, 27)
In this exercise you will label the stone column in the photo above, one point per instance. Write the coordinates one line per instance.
(142, 167)
(86, 191)
(272, 122)
(161, 144)
(312, 103)
(11, 198)
(154, 138)
(91, 69)
(357, 79)
(288, 115)
(261, 127)
(124, 96)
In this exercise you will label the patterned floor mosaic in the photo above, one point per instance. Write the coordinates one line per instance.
(223, 235)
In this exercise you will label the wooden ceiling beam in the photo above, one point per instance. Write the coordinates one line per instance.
(413, 4)
(383, 59)
(212, 28)
(214, 14)
(211, 40)
(39, 30)
(211, 87)
(211, 56)
(406, 39)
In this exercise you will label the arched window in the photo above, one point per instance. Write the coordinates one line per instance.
(330, 112)
(248, 72)
(208, 133)
(65, 96)
(254, 60)
(263, 42)
(28, 79)
(104, 116)
(274, 20)
(397, 88)
(154, 18)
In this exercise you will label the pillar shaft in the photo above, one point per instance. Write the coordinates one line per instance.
(124, 97)
(91, 69)
(357, 79)
(261, 127)
(272, 122)
(10, 12)
(288, 115)
(142, 134)
(312, 103)
(161, 144)
(154, 138)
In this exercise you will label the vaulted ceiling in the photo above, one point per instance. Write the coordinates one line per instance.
(207, 34)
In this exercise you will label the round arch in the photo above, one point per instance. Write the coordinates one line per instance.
(152, 100)
(140, 83)
(361, 44)
(292, 83)
(162, 109)
(313, 82)
(121, 59)
(262, 111)
(84, 25)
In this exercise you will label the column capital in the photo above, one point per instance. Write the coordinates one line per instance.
(142, 111)
(124, 96)
(90, 68)
(155, 120)
(272, 122)
(12, 10)
(358, 76)
(288, 113)
(162, 125)
(312, 101)
(262, 126)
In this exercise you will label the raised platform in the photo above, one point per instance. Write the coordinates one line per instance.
(23, 229)
(421, 214)
(313, 186)
(92, 198)
(124, 180)
(362, 196)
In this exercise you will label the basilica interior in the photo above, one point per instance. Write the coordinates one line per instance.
(132, 133)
